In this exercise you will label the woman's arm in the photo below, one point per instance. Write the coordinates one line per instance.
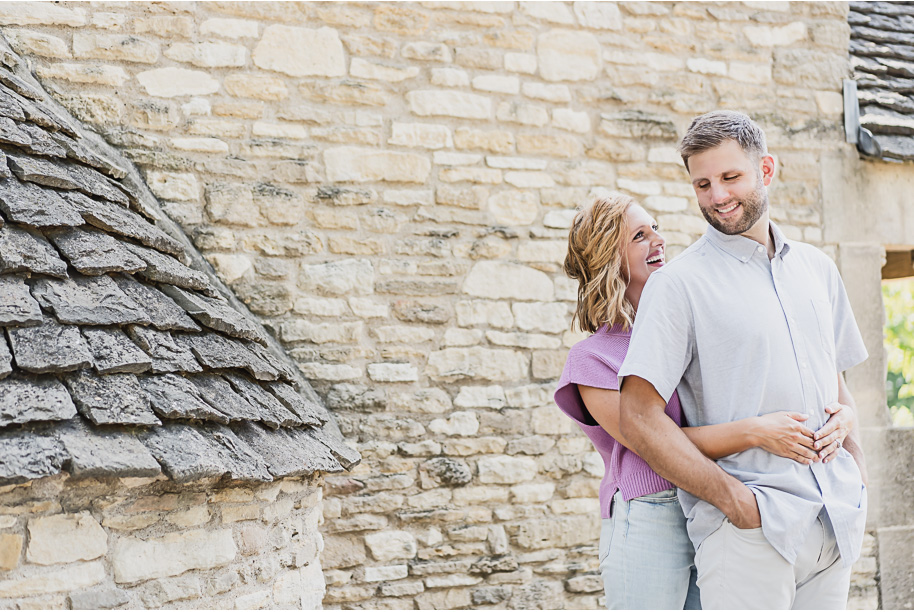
(781, 433)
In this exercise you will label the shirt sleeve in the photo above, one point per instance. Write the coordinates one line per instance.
(849, 347)
(662, 339)
(589, 370)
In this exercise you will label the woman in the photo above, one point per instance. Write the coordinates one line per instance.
(646, 558)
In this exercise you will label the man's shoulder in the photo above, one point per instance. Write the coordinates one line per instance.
(687, 262)
(811, 255)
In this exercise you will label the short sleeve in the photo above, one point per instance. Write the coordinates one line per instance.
(849, 347)
(662, 338)
(584, 368)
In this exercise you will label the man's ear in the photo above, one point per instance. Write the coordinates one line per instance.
(766, 169)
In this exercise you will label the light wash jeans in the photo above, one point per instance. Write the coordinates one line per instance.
(646, 558)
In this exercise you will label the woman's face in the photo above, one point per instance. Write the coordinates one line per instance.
(644, 253)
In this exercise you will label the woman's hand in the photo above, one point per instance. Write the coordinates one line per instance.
(830, 438)
(783, 434)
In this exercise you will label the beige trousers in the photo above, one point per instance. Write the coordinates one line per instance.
(739, 570)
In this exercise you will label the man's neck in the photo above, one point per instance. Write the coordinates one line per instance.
(761, 233)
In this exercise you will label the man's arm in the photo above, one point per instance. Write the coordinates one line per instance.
(661, 443)
(852, 442)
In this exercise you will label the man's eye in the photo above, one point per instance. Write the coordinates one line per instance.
(731, 178)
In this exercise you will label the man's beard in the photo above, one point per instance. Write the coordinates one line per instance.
(754, 205)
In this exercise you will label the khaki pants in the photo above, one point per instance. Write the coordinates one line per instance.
(738, 569)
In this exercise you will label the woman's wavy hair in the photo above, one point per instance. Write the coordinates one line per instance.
(596, 259)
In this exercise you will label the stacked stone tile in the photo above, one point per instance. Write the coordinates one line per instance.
(117, 359)
(882, 55)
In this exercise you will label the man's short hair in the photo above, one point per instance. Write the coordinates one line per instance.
(713, 129)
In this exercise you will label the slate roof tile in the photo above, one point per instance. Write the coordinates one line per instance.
(167, 355)
(93, 252)
(162, 310)
(30, 204)
(49, 347)
(103, 374)
(17, 306)
(114, 399)
(24, 250)
(113, 352)
(26, 398)
(216, 314)
(88, 300)
(119, 220)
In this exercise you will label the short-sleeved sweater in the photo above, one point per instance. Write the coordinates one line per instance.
(595, 362)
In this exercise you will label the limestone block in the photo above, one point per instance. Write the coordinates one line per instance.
(666, 203)
(830, 103)
(114, 47)
(449, 599)
(598, 15)
(364, 69)
(546, 251)
(84, 73)
(506, 470)
(427, 52)
(639, 187)
(302, 330)
(10, 550)
(501, 280)
(301, 52)
(29, 42)
(480, 312)
(450, 77)
(390, 572)
(367, 308)
(559, 533)
(481, 397)
(435, 102)
(529, 180)
(477, 362)
(497, 84)
(767, 36)
(541, 316)
(391, 545)
(170, 82)
(181, 186)
(425, 135)
(462, 423)
(230, 267)
(229, 28)
(65, 538)
(261, 87)
(167, 590)
(706, 66)
(568, 55)
(165, 25)
(29, 13)
(66, 580)
(522, 340)
(368, 165)
(446, 158)
(257, 600)
(208, 55)
(393, 372)
(524, 63)
(340, 277)
(573, 121)
(549, 420)
(514, 207)
(134, 560)
(578, 505)
(552, 12)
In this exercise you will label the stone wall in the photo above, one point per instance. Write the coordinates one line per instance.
(146, 543)
(389, 187)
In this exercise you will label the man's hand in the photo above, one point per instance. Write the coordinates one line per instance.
(744, 513)
(830, 437)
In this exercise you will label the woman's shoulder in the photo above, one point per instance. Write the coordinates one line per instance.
(606, 345)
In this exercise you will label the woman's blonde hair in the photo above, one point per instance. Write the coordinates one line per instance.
(596, 256)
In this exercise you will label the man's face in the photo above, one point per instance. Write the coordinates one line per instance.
(731, 187)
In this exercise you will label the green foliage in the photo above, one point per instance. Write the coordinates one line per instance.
(898, 297)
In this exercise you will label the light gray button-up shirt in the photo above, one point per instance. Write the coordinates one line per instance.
(742, 336)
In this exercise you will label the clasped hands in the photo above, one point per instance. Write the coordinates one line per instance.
(784, 434)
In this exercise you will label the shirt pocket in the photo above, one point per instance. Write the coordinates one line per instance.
(826, 329)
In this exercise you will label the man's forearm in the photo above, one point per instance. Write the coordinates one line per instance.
(852, 442)
(660, 442)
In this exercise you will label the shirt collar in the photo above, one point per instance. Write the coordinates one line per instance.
(743, 248)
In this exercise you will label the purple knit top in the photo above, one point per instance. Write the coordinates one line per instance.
(595, 362)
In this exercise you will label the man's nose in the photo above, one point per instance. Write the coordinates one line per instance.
(719, 193)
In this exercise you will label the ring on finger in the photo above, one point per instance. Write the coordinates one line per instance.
(839, 444)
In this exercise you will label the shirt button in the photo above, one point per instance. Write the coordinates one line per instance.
(760, 249)
(745, 259)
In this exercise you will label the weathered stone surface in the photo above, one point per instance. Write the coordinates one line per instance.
(113, 399)
(162, 310)
(514, 207)
(113, 352)
(29, 455)
(88, 300)
(65, 538)
(390, 545)
(167, 355)
(22, 250)
(566, 55)
(93, 252)
(342, 277)
(98, 599)
(216, 314)
(94, 183)
(447, 471)
(49, 347)
(219, 394)
(506, 470)
(477, 362)
(41, 171)
(34, 398)
(11, 134)
(6, 359)
(500, 280)
(240, 460)
(277, 363)
(64, 580)
(170, 82)
(272, 412)
(176, 397)
(307, 411)
(369, 165)
(163, 268)
(10, 550)
(301, 51)
(46, 173)
(32, 205)
(218, 352)
(17, 306)
(134, 560)
(100, 453)
(288, 452)
(119, 220)
(435, 102)
(183, 452)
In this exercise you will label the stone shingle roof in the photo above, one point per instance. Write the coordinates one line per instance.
(882, 57)
(117, 358)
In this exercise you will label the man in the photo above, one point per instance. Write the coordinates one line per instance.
(746, 322)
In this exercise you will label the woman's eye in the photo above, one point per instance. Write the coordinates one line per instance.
(639, 235)
(655, 227)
